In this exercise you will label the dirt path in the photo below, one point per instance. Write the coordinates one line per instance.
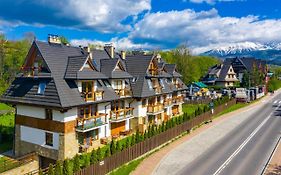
(148, 165)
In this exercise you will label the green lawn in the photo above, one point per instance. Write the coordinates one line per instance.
(128, 168)
(190, 108)
(5, 107)
(232, 108)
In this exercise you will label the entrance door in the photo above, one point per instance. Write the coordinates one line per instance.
(116, 128)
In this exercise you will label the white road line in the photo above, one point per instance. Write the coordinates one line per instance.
(275, 101)
(243, 144)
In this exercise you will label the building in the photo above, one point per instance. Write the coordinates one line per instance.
(222, 75)
(70, 99)
(246, 64)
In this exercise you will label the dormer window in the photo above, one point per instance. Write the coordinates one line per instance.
(135, 79)
(149, 84)
(87, 89)
(41, 88)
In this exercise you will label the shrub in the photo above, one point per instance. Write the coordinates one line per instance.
(99, 155)
(51, 170)
(58, 168)
(66, 167)
(107, 152)
(76, 163)
(40, 172)
(93, 158)
(133, 140)
(118, 146)
(138, 139)
(112, 147)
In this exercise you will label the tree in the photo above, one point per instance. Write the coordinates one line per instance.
(58, 168)
(138, 139)
(66, 167)
(112, 147)
(76, 163)
(99, 155)
(51, 170)
(40, 172)
(64, 40)
(107, 152)
(118, 146)
(93, 158)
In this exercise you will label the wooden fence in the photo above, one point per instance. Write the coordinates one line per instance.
(199, 101)
(131, 153)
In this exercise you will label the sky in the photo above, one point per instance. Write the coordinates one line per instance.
(201, 25)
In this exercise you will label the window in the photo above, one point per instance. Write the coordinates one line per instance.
(85, 111)
(49, 114)
(49, 139)
(118, 84)
(162, 83)
(41, 88)
(149, 84)
(143, 102)
(87, 89)
(106, 83)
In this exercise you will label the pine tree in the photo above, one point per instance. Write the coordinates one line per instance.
(145, 135)
(40, 172)
(86, 160)
(118, 146)
(66, 167)
(93, 158)
(127, 142)
(51, 170)
(99, 156)
(112, 147)
(137, 136)
(133, 140)
(107, 152)
(76, 163)
(58, 168)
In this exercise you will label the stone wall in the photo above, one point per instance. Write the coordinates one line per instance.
(68, 146)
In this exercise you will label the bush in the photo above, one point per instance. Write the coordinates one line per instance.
(112, 147)
(58, 168)
(99, 155)
(40, 172)
(118, 146)
(107, 152)
(66, 167)
(93, 158)
(76, 163)
(133, 140)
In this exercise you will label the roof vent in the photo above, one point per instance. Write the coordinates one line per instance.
(54, 39)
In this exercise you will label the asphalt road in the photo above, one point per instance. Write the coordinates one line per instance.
(246, 149)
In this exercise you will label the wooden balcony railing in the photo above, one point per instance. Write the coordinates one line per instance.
(168, 102)
(89, 121)
(178, 99)
(123, 92)
(119, 114)
(157, 89)
(178, 85)
(93, 96)
(152, 108)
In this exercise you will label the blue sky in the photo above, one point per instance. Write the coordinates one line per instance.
(145, 24)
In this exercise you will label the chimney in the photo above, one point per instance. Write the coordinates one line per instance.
(55, 39)
(110, 49)
(123, 54)
(88, 50)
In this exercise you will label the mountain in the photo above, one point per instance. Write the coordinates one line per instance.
(271, 52)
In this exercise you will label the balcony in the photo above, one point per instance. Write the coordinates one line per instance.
(178, 85)
(90, 122)
(93, 96)
(167, 102)
(153, 109)
(118, 115)
(35, 72)
(157, 89)
(126, 92)
(178, 99)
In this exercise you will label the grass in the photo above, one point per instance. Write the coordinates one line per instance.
(5, 107)
(191, 108)
(127, 168)
(232, 108)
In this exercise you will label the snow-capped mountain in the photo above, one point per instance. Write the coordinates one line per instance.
(269, 51)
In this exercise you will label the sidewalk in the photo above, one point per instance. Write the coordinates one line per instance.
(151, 164)
(274, 166)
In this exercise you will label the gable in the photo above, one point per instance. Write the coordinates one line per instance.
(88, 65)
(35, 59)
(119, 66)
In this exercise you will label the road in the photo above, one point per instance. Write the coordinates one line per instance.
(244, 150)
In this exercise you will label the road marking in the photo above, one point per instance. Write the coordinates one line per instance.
(243, 144)
(275, 101)
(279, 102)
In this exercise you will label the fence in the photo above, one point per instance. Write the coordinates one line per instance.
(199, 101)
(131, 153)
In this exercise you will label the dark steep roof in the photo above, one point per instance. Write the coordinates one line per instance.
(171, 69)
(108, 66)
(73, 69)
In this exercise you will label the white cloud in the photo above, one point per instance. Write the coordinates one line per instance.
(119, 43)
(204, 29)
(211, 1)
(101, 15)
